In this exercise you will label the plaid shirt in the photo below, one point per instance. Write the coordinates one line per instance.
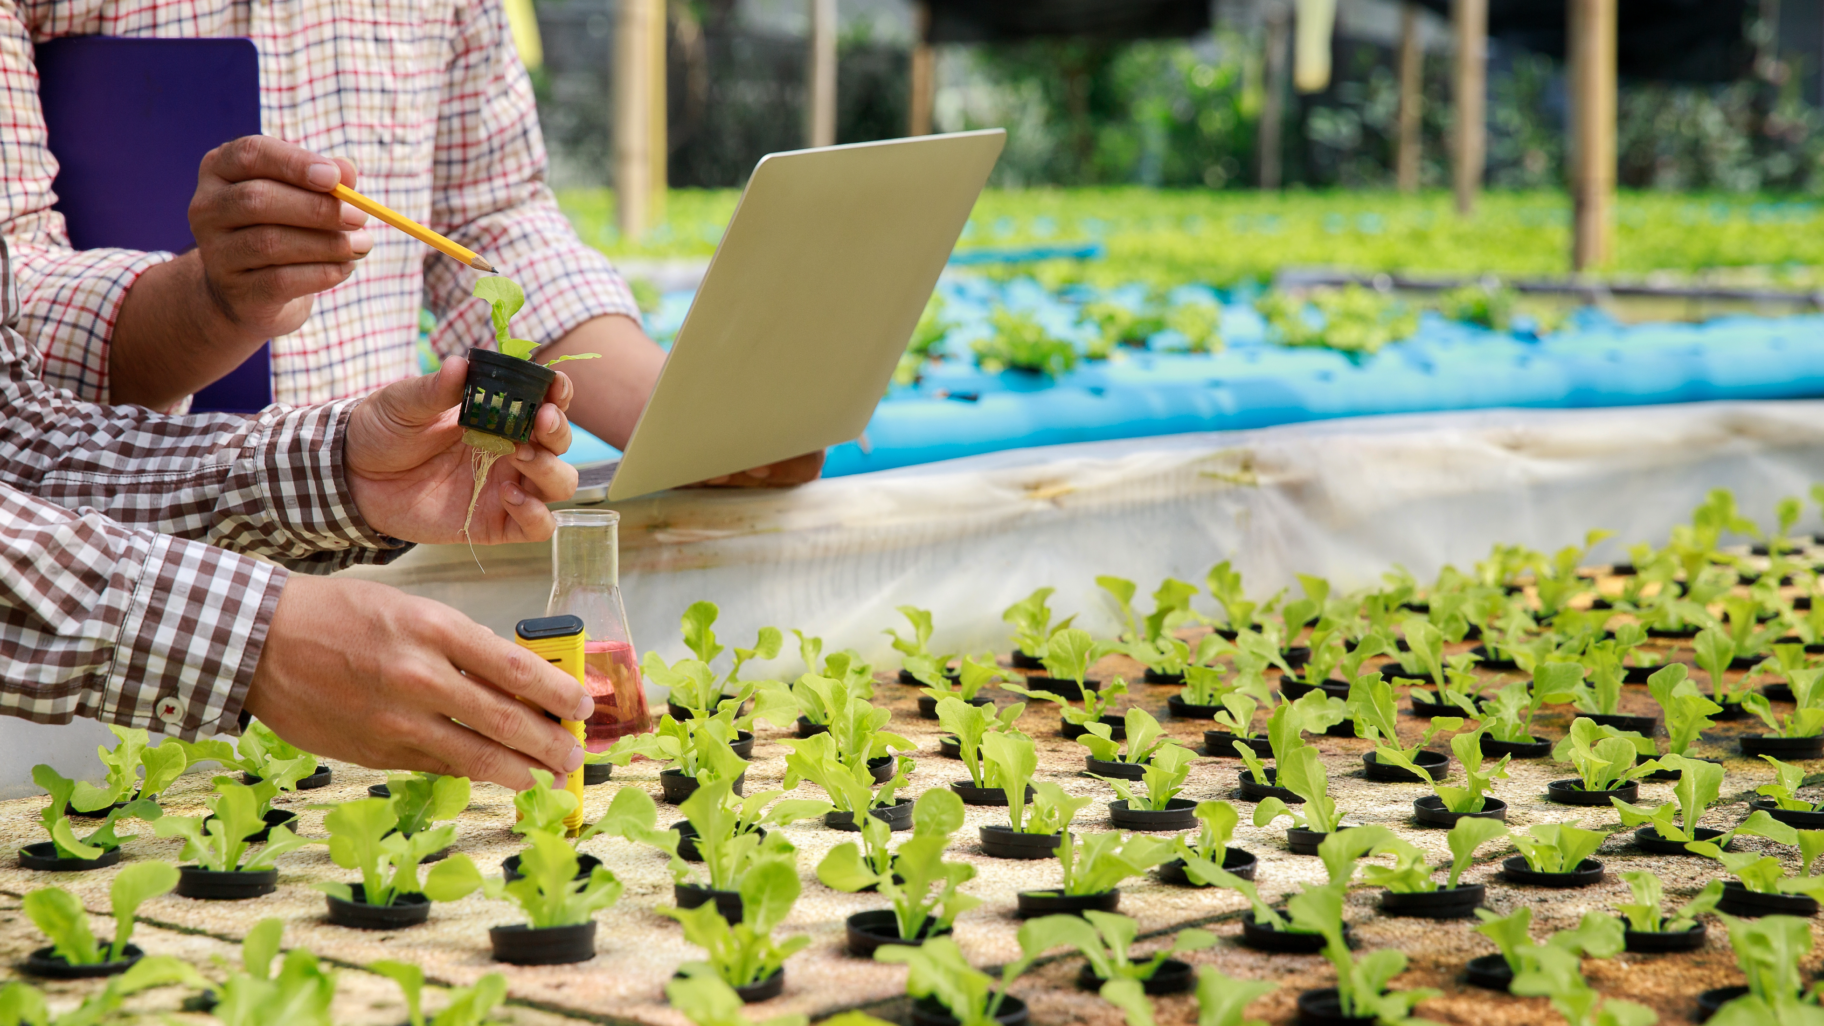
(427, 97)
(123, 593)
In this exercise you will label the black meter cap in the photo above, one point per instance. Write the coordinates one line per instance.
(549, 627)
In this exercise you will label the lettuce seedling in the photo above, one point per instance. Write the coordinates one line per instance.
(1425, 648)
(1715, 651)
(1411, 875)
(218, 842)
(1237, 714)
(1163, 780)
(941, 973)
(422, 800)
(1596, 935)
(547, 891)
(856, 727)
(362, 836)
(1557, 847)
(1601, 693)
(1555, 973)
(1785, 787)
(1068, 656)
(1686, 711)
(700, 691)
(1144, 739)
(1171, 607)
(1097, 863)
(1302, 773)
(1203, 685)
(1769, 951)
(1472, 796)
(467, 1006)
(1216, 822)
(851, 787)
(1106, 940)
(1224, 583)
(1377, 719)
(60, 917)
(20, 1002)
(259, 753)
(1603, 756)
(1762, 873)
(1361, 984)
(131, 753)
(920, 641)
(746, 953)
(56, 821)
(707, 1001)
(728, 832)
(1644, 914)
(972, 723)
(921, 885)
(299, 994)
(976, 673)
(1032, 626)
(1807, 716)
(1699, 785)
(699, 747)
(1012, 760)
(1222, 1000)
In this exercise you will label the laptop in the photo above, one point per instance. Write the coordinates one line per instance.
(805, 310)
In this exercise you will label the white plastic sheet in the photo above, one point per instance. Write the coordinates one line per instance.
(1345, 499)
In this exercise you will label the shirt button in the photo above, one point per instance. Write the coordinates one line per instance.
(170, 710)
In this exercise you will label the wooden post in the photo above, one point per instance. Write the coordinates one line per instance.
(924, 73)
(820, 115)
(1272, 105)
(1592, 50)
(659, 116)
(1412, 98)
(632, 117)
(1469, 20)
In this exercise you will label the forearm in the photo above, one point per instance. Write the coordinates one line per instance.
(611, 392)
(172, 337)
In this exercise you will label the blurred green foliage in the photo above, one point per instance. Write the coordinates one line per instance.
(1020, 342)
(1350, 319)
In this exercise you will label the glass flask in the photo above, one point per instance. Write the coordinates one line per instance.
(586, 582)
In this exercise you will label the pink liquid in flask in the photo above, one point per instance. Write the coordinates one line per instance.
(613, 680)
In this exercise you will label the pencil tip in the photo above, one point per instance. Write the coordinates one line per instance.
(480, 265)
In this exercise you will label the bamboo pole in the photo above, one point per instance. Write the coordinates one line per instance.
(820, 116)
(1469, 20)
(924, 73)
(1272, 105)
(659, 114)
(1412, 98)
(632, 116)
(1592, 49)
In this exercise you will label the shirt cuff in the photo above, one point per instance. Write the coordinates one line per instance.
(303, 480)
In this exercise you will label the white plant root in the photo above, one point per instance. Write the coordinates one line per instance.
(487, 449)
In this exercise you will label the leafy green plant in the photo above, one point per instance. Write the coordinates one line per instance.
(728, 832)
(1302, 773)
(1171, 608)
(1372, 706)
(299, 994)
(1106, 941)
(1012, 761)
(921, 885)
(1222, 999)
(422, 800)
(700, 747)
(975, 674)
(1784, 791)
(1216, 822)
(1097, 863)
(972, 723)
(505, 298)
(1410, 874)
(1032, 624)
(132, 754)
(104, 838)
(706, 1001)
(1351, 319)
(1224, 584)
(1644, 913)
(1557, 847)
(1021, 343)
(694, 685)
(850, 786)
(60, 917)
(259, 753)
(1163, 780)
(547, 890)
(362, 836)
(1686, 711)
(1807, 716)
(941, 973)
(1145, 738)
(1715, 651)
(1488, 303)
(1473, 795)
(1769, 951)
(1237, 714)
(746, 953)
(1762, 873)
(467, 1006)
(1603, 756)
(919, 641)
(218, 842)
(1361, 984)
(1699, 785)
(20, 1002)
(1313, 711)
(1596, 935)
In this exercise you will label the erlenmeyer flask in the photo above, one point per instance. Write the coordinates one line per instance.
(585, 582)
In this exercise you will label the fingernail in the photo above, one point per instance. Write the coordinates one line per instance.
(575, 759)
(760, 472)
(513, 495)
(524, 453)
(585, 708)
(361, 242)
(323, 175)
(352, 216)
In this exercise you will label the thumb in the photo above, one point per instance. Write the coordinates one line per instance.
(420, 401)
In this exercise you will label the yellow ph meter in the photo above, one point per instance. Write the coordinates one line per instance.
(559, 641)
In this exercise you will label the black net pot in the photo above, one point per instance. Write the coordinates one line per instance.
(897, 816)
(1425, 709)
(1457, 902)
(1786, 749)
(1117, 728)
(1534, 749)
(1345, 728)
(501, 394)
(905, 677)
(597, 773)
(320, 778)
(1296, 655)
(1731, 710)
(1672, 774)
(1221, 744)
(728, 903)
(1429, 811)
(1571, 792)
(379, 791)
(1322, 1007)
(1033, 904)
(1062, 686)
(1649, 840)
(1799, 818)
(47, 963)
(273, 817)
(1638, 674)
(973, 795)
(743, 744)
(927, 706)
(406, 910)
(520, 944)
(1004, 842)
(209, 885)
(1170, 680)
(682, 713)
(1178, 814)
(1183, 710)
(1642, 725)
(1672, 632)
(1284, 942)
(1121, 770)
(1022, 661)
(1234, 860)
(1740, 901)
(808, 729)
(1711, 1001)
(1489, 971)
(760, 990)
(869, 930)
(1291, 689)
(678, 787)
(1647, 942)
(687, 840)
(1490, 663)
(949, 747)
(1253, 791)
(43, 856)
(1304, 842)
(585, 867)
(101, 813)
(1515, 871)
(1778, 692)
(882, 768)
(1434, 764)
(928, 1011)
(1172, 977)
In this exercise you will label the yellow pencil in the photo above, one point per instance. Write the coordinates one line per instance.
(412, 228)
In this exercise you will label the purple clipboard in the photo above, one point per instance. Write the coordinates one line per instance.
(129, 120)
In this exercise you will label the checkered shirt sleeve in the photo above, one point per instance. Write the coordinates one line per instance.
(127, 545)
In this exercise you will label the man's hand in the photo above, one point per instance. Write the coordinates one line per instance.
(784, 474)
(268, 238)
(412, 477)
(362, 672)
